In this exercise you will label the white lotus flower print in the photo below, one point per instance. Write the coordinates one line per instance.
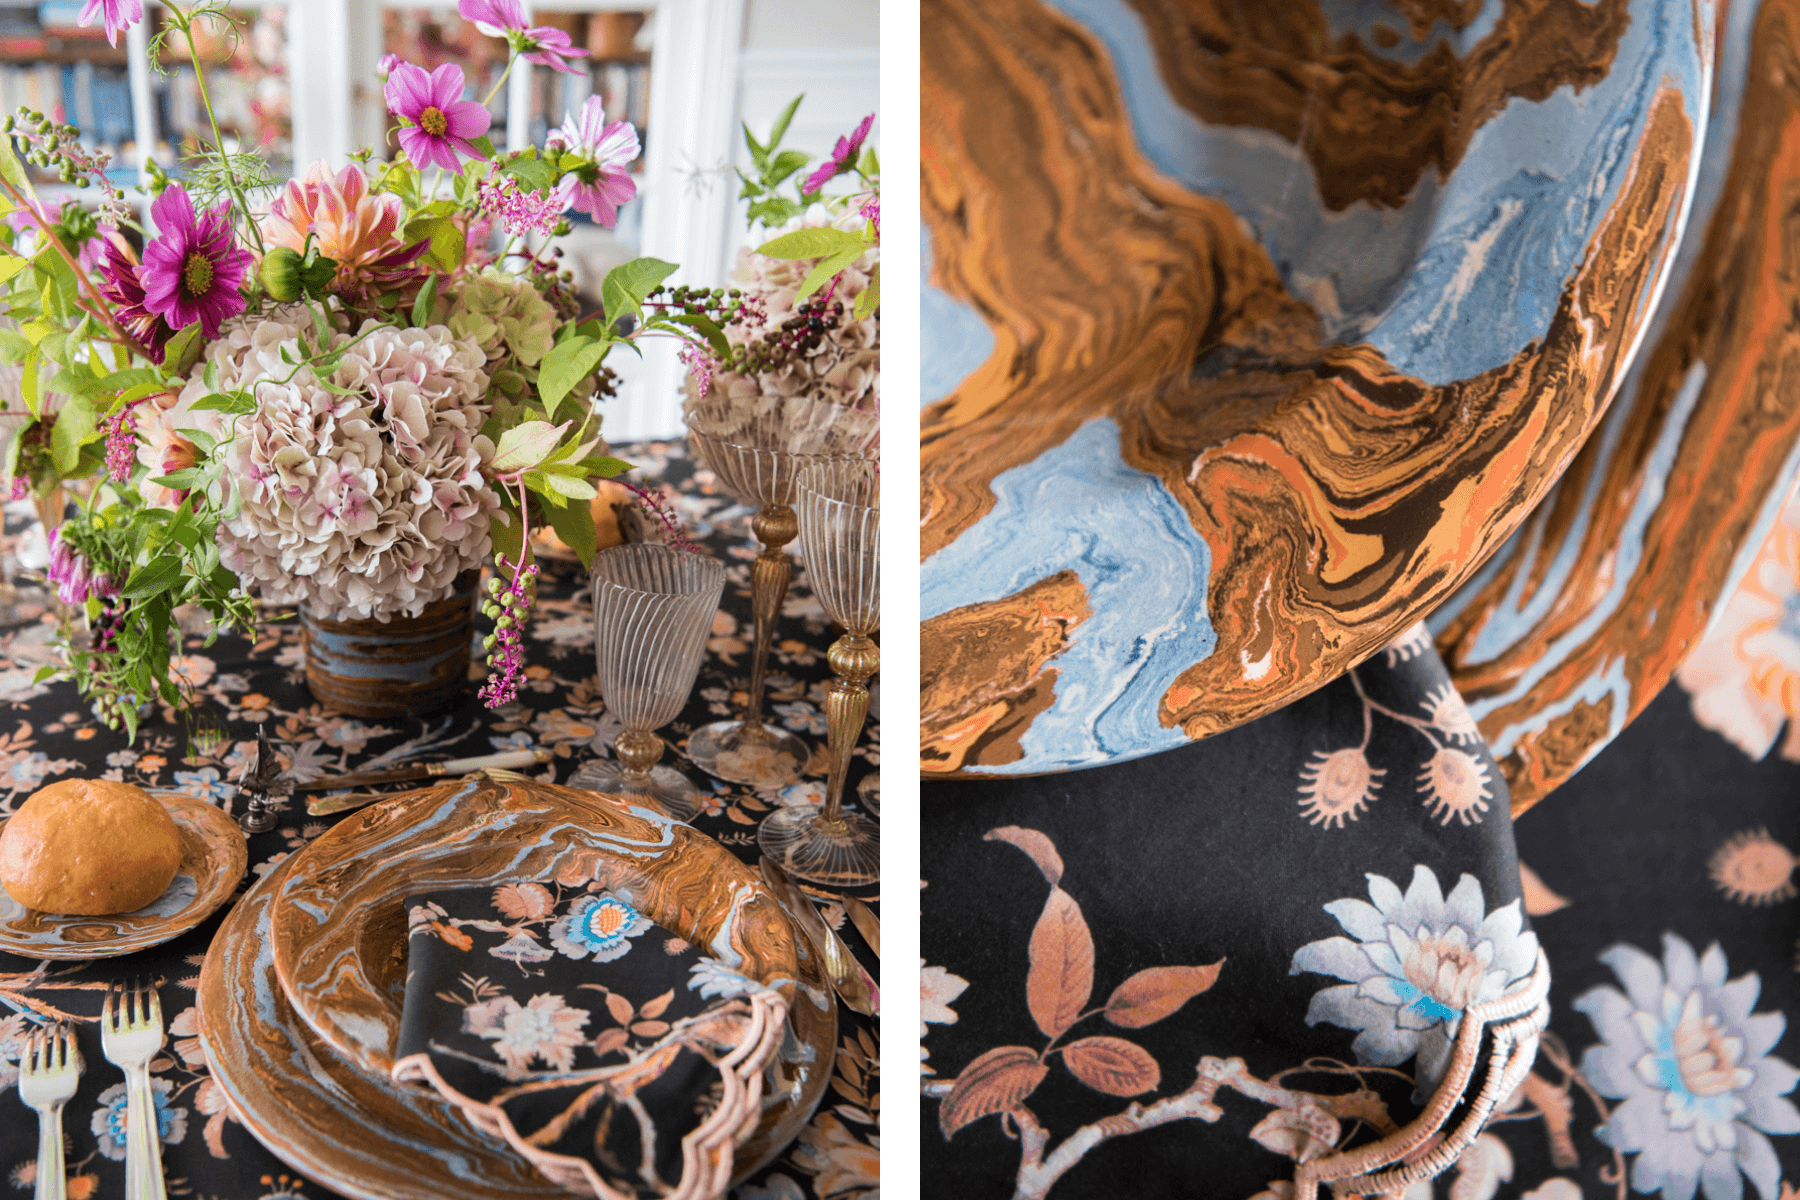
(1690, 1062)
(1413, 962)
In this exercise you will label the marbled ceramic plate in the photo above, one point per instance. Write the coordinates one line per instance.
(361, 1135)
(339, 919)
(213, 857)
(1253, 329)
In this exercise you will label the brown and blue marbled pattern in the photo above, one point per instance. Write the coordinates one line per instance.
(1579, 620)
(1266, 418)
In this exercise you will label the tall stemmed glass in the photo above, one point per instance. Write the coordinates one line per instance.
(653, 609)
(840, 536)
(755, 447)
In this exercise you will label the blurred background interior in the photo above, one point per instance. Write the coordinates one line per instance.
(301, 85)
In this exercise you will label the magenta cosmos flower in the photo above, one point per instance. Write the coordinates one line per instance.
(118, 15)
(192, 271)
(442, 121)
(843, 157)
(540, 44)
(599, 187)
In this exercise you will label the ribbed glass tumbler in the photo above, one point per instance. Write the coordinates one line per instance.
(840, 537)
(756, 447)
(653, 610)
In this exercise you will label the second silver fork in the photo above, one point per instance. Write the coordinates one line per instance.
(131, 1034)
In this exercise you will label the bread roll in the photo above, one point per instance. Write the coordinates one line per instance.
(89, 847)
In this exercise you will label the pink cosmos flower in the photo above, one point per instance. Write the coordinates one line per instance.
(118, 14)
(121, 284)
(540, 44)
(843, 157)
(386, 66)
(442, 121)
(598, 188)
(192, 272)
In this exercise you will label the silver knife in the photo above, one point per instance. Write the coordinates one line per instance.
(851, 982)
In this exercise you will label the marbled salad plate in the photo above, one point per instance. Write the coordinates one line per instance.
(213, 858)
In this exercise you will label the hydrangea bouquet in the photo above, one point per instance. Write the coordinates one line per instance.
(343, 392)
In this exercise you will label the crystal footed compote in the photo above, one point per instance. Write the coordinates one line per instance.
(653, 608)
(840, 535)
(756, 445)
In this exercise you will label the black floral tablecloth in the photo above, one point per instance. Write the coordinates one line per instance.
(47, 733)
(1262, 937)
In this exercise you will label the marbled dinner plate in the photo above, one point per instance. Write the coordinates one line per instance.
(338, 921)
(213, 857)
(362, 1135)
(1252, 330)
(1580, 619)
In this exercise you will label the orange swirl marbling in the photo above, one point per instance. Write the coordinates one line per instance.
(1721, 387)
(1341, 498)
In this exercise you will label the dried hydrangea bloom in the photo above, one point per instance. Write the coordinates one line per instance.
(370, 504)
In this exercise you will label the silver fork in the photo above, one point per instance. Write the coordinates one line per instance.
(48, 1072)
(131, 1034)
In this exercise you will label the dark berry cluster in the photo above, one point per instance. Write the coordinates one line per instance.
(722, 307)
(798, 337)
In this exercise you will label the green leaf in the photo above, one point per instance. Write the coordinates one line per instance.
(605, 467)
(812, 243)
(158, 575)
(779, 129)
(567, 364)
(237, 404)
(29, 382)
(204, 440)
(870, 299)
(447, 241)
(182, 352)
(73, 426)
(708, 329)
(627, 285)
(567, 485)
(574, 524)
(11, 266)
(758, 152)
(485, 144)
(785, 164)
(525, 445)
(533, 173)
(421, 309)
(44, 674)
(12, 170)
(181, 480)
(820, 275)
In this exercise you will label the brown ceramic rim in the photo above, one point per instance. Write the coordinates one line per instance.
(213, 855)
(364, 1136)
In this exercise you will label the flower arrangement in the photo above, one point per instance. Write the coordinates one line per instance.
(808, 322)
(344, 391)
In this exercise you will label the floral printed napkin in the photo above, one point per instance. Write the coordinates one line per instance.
(602, 1046)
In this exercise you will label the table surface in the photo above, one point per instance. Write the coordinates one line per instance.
(53, 735)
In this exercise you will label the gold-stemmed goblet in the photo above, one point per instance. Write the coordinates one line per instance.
(755, 447)
(840, 538)
(653, 609)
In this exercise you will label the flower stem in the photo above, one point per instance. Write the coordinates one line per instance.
(184, 22)
(501, 82)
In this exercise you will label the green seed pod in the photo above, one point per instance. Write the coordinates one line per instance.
(280, 274)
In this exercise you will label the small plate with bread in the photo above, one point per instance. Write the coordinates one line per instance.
(92, 869)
